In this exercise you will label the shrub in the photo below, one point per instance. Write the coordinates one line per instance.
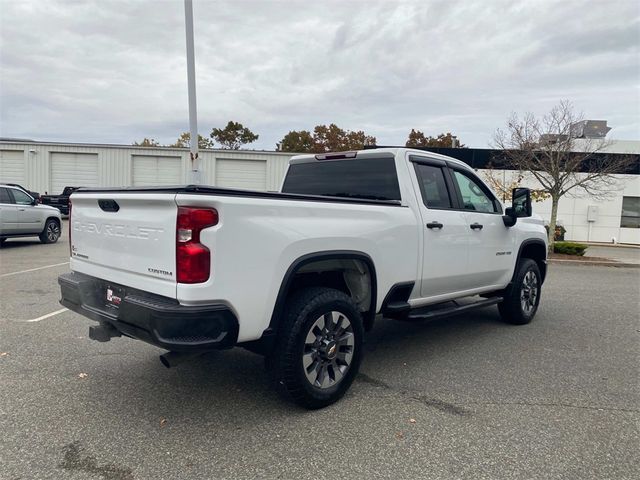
(569, 248)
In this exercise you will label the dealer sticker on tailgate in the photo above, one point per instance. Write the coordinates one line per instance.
(114, 296)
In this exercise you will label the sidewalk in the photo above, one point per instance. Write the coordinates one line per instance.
(615, 253)
(603, 255)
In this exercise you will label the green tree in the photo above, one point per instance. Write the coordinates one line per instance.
(233, 136)
(325, 138)
(296, 142)
(184, 141)
(147, 142)
(334, 139)
(444, 140)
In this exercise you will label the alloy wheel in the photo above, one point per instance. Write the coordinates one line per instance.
(53, 231)
(328, 350)
(529, 292)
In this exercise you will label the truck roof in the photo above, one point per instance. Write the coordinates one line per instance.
(373, 152)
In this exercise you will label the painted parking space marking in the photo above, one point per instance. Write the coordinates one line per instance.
(33, 269)
(48, 315)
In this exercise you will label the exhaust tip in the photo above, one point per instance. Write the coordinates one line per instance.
(173, 359)
(164, 360)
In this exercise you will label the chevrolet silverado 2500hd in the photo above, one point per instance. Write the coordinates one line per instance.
(300, 275)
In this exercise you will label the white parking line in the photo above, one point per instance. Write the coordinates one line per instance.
(48, 315)
(33, 269)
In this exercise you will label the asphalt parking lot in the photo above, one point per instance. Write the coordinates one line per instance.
(467, 397)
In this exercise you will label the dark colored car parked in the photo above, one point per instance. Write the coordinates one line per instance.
(61, 202)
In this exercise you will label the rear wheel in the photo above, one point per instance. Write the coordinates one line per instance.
(51, 232)
(319, 350)
(521, 303)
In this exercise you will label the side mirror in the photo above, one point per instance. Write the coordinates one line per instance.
(34, 202)
(520, 206)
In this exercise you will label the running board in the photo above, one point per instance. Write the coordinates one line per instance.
(427, 313)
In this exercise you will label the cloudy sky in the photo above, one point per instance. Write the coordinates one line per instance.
(115, 71)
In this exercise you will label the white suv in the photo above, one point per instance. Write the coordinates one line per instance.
(22, 216)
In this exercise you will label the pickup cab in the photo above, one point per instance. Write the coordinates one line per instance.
(61, 202)
(299, 275)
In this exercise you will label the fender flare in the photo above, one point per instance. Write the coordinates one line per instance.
(525, 243)
(285, 284)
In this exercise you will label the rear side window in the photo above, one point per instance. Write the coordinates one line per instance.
(433, 186)
(367, 178)
(4, 196)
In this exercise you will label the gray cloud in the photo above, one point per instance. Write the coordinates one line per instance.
(114, 71)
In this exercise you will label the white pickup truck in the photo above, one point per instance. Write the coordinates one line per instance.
(300, 275)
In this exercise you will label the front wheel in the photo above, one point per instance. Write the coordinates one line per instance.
(319, 350)
(520, 305)
(51, 232)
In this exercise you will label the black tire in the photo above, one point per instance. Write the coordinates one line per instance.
(51, 232)
(521, 302)
(286, 362)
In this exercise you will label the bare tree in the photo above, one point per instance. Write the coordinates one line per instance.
(548, 149)
(504, 188)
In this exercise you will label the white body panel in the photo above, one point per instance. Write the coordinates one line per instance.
(258, 239)
(134, 246)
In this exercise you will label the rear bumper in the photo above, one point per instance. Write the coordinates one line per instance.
(151, 318)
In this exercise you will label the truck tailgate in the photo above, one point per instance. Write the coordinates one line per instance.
(126, 238)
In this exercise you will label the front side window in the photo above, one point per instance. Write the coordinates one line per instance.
(21, 198)
(474, 197)
(630, 217)
(433, 186)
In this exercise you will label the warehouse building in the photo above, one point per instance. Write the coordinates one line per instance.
(49, 167)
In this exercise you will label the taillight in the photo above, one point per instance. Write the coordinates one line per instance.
(69, 228)
(193, 260)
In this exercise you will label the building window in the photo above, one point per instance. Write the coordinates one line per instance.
(630, 212)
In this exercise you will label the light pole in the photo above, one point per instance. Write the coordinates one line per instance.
(195, 175)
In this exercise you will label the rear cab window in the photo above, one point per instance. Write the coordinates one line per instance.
(370, 178)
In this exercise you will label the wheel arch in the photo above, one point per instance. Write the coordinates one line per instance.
(536, 250)
(55, 219)
(286, 285)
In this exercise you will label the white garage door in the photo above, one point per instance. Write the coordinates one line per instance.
(246, 174)
(73, 169)
(148, 170)
(12, 166)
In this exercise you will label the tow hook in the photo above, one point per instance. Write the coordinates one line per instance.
(103, 332)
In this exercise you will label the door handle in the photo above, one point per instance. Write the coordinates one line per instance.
(476, 226)
(434, 225)
(21, 209)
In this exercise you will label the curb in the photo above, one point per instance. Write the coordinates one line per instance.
(595, 263)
